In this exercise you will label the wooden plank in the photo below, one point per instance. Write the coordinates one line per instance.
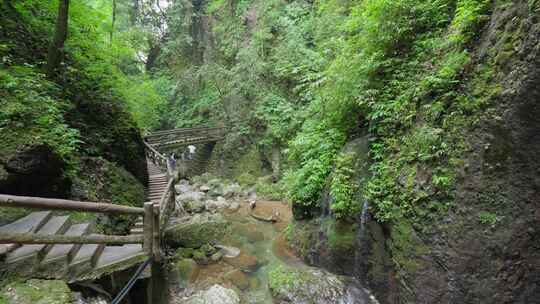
(32, 238)
(14, 201)
(148, 227)
(148, 146)
(183, 130)
(156, 243)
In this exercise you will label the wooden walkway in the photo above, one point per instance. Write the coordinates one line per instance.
(72, 262)
(48, 245)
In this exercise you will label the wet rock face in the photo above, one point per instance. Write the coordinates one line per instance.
(34, 171)
(315, 286)
(493, 254)
(342, 248)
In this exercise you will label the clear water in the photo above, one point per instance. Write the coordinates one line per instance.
(255, 238)
(259, 239)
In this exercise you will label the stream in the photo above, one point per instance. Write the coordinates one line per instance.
(262, 249)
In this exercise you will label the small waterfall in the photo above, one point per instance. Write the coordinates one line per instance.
(360, 259)
(364, 216)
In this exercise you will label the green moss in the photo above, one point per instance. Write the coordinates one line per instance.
(267, 189)
(406, 248)
(341, 236)
(103, 181)
(281, 277)
(187, 269)
(248, 167)
(302, 236)
(184, 252)
(36, 292)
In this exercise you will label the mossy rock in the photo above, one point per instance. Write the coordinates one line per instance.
(238, 279)
(36, 292)
(341, 236)
(200, 257)
(248, 167)
(201, 229)
(188, 270)
(184, 253)
(311, 285)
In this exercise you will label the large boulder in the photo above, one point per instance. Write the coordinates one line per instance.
(182, 188)
(34, 171)
(232, 190)
(315, 286)
(216, 294)
(190, 196)
(36, 292)
(197, 230)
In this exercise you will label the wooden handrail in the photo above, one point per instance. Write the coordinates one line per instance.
(13, 201)
(154, 150)
(31, 238)
(181, 130)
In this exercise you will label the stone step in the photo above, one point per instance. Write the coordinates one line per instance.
(67, 252)
(30, 223)
(56, 225)
(139, 224)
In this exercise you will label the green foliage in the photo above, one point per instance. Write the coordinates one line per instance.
(488, 218)
(269, 190)
(281, 276)
(315, 149)
(470, 14)
(343, 187)
(33, 113)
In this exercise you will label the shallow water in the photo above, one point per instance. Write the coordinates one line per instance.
(256, 238)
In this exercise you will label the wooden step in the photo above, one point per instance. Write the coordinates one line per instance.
(155, 183)
(67, 252)
(117, 254)
(86, 257)
(56, 225)
(30, 223)
(154, 191)
(136, 231)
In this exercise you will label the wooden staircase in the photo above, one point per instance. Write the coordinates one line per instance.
(72, 262)
(157, 187)
(45, 244)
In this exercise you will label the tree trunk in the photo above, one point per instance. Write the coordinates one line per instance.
(153, 54)
(55, 55)
(134, 12)
(113, 19)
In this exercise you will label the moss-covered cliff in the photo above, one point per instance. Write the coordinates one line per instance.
(67, 136)
(447, 92)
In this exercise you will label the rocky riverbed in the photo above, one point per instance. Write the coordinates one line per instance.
(229, 247)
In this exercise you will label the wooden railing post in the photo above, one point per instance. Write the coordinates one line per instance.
(156, 243)
(148, 228)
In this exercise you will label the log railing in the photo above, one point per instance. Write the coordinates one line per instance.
(184, 136)
(167, 203)
(157, 158)
(149, 239)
